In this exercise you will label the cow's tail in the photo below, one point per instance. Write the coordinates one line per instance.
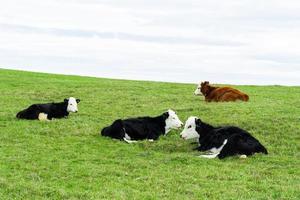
(243, 97)
(21, 114)
(114, 130)
(246, 97)
(262, 149)
(103, 132)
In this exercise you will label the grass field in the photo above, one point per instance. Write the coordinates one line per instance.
(67, 159)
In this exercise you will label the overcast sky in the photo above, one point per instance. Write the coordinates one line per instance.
(232, 41)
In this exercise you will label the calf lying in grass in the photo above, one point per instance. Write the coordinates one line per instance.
(49, 111)
(219, 94)
(141, 128)
(221, 142)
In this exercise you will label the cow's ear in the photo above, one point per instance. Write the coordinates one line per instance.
(66, 100)
(198, 121)
(166, 115)
(77, 100)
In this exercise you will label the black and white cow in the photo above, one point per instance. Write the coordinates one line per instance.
(48, 111)
(223, 141)
(140, 128)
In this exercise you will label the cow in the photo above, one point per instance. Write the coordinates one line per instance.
(217, 94)
(48, 111)
(140, 128)
(221, 141)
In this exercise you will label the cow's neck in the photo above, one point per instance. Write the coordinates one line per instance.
(161, 121)
(62, 108)
(203, 129)
(167, 130)
(209, 90)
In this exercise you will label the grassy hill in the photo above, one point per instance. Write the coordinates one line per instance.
(67, 159)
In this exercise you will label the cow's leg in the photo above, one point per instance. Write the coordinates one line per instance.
(216, 152)
(201, 147)
(129, 141)
(152, 136)
(209, 156)
(243, 156)
(43, 117)
(231, 148)
(198, 148)
(127, 138)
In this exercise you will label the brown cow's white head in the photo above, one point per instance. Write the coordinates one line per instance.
(198, 90)
(201, 88)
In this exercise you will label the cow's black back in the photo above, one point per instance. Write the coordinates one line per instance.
(137, 128)
(53, 110)
(239, 141)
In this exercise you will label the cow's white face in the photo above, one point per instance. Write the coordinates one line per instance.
(198, 90)
(72, 104)
(173, 121)
(189, 131)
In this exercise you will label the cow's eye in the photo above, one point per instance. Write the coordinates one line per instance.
(174, 118)
(189, 126)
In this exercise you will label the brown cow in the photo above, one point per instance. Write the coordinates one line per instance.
(220, 93)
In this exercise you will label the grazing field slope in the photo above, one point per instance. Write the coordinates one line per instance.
(67, 159)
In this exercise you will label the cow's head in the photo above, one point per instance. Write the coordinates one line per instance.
(72, 104)
(172, 120)
(202, 88)
(189, 131)
(198, 90)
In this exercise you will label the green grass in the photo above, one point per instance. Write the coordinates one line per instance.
(67, 159)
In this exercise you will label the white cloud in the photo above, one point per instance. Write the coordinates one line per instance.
(248, 42)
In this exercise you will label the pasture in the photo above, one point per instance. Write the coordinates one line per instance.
(67, 159)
